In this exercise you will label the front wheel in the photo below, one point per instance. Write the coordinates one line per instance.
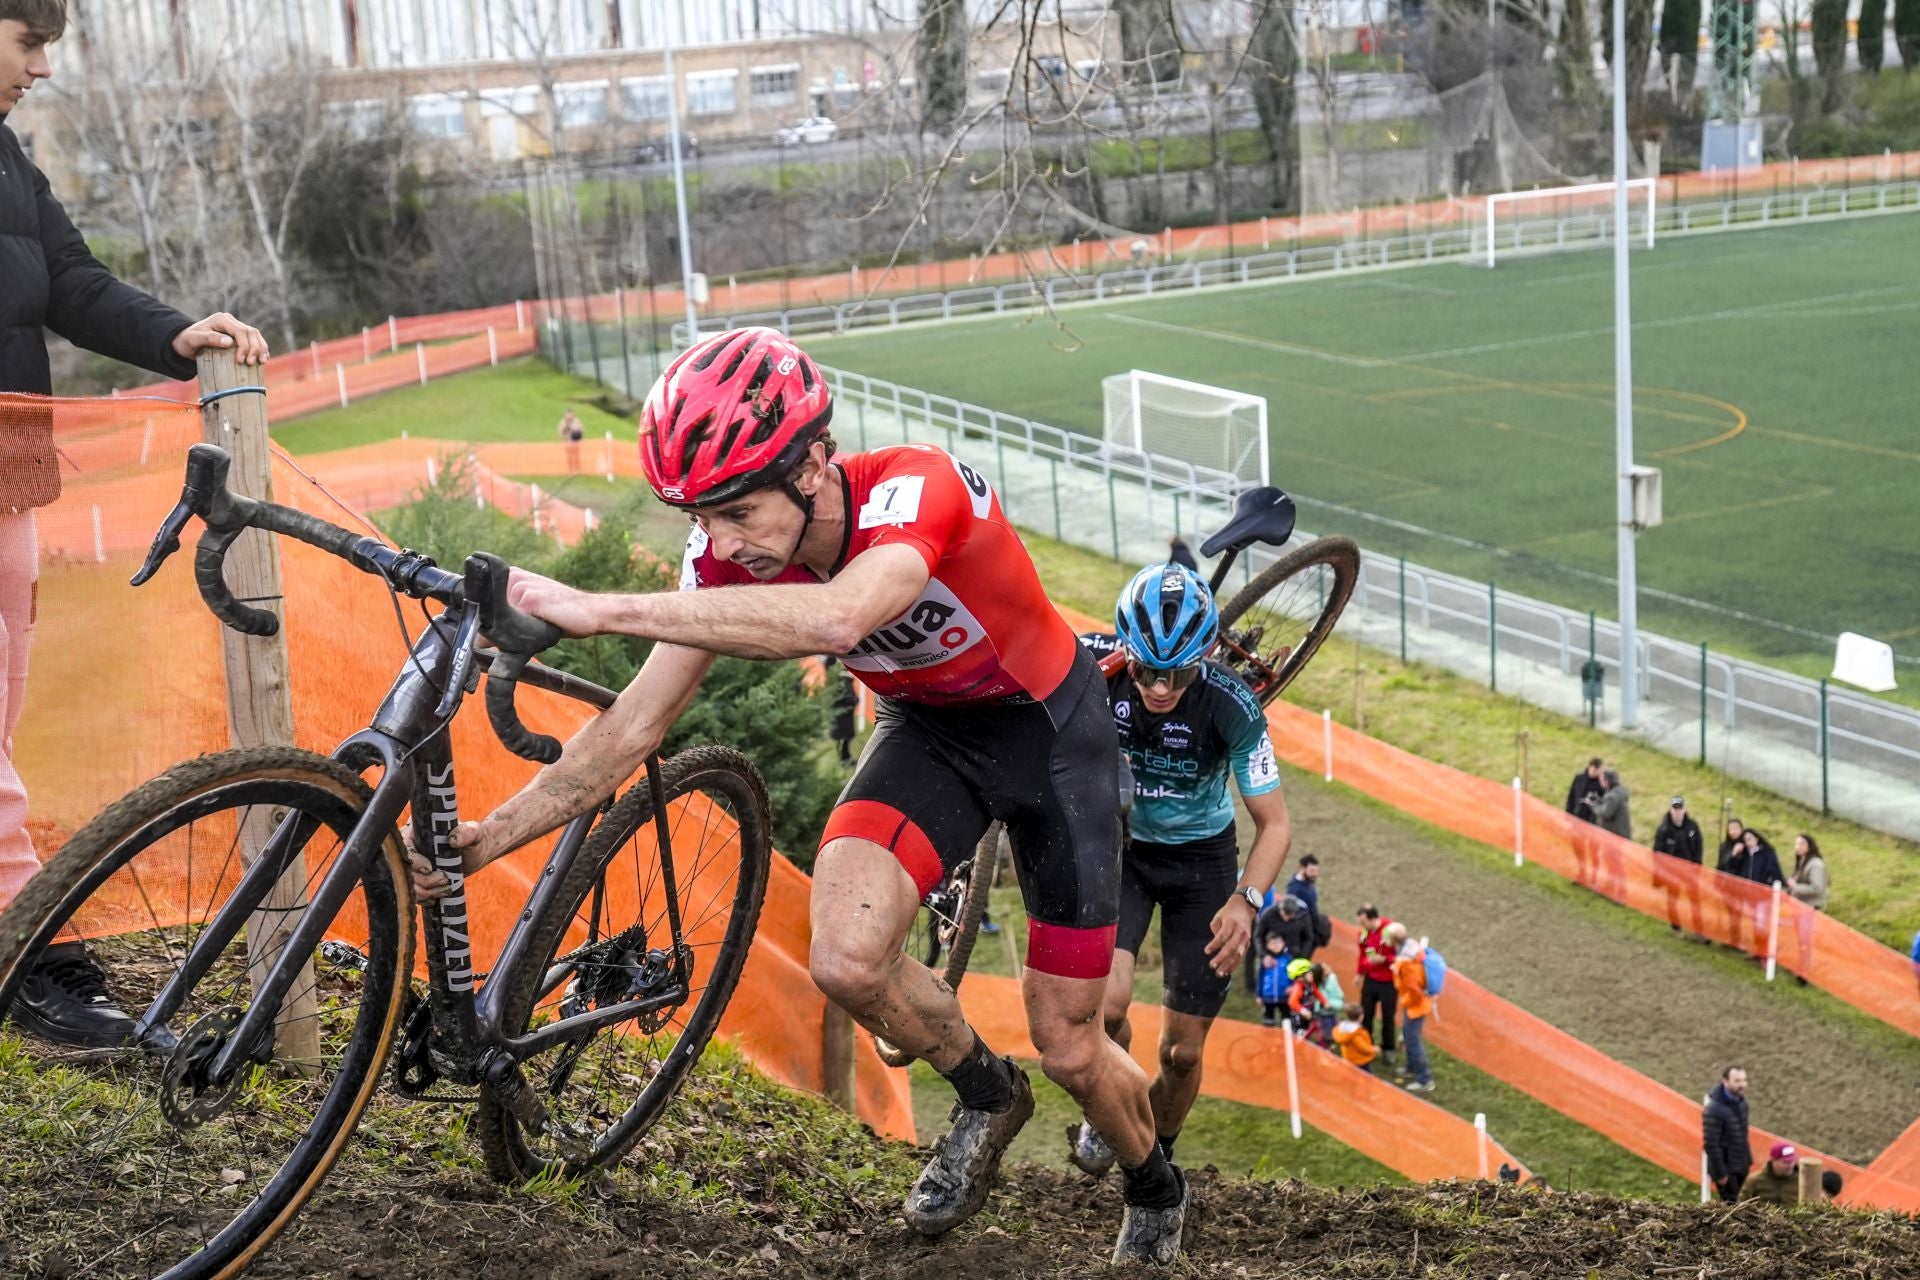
(947, 924)
(608, 940)
(1274, 625)
(161, 1168)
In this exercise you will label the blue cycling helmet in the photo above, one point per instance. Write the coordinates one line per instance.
(1166, 617)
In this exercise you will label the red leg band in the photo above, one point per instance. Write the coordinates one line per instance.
(1066, 952)
(892, 830)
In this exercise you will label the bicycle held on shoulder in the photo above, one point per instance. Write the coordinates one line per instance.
(1269, 630)
(253, 911)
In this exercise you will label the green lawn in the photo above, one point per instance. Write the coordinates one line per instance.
(1478, 405)
(515, 400)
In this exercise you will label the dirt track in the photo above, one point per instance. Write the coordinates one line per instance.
(1238, 1229)
(1672, 1008)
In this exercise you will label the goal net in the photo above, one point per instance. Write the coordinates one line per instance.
(1216, 430)
(1555, 218)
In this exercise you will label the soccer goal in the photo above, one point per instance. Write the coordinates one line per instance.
(1581, 208)
(1223, 431)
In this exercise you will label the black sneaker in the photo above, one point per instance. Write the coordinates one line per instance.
(1153, 1235)
(64, 999)
(1088, 1151)
(954, 1185)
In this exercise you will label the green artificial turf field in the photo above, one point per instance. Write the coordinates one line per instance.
(1463, 417)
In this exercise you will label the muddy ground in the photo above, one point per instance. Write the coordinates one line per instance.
(1047, 1224)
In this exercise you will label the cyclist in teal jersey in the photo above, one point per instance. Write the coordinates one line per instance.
(1185, 725)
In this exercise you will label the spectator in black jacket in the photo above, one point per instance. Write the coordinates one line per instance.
(1585, 790)
(1288, 917)
(1178, 552)
(1678, 836)
(1763, 864)
(1723, 1133)
(49, 280)
(1583, 793)
(1733, 862)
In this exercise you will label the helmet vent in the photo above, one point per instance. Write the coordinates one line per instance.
(691, 441)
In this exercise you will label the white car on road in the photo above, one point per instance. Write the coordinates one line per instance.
(814, 129)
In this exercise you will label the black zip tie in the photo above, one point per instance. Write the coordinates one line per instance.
(256, 599)
(230, 391)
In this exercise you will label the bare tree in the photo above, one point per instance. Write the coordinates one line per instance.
(1273, 67)
(940, 62)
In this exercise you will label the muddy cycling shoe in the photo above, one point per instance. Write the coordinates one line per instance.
(954, 1185)
(64, 999)
(1153, 1235)
(1088, 1150)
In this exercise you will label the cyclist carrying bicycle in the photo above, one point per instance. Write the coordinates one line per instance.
(902, 560)
(1185, 724)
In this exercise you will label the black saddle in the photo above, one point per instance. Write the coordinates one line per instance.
(1260, 515)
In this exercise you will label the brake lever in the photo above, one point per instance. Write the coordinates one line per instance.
(464, 641)
(165, 542)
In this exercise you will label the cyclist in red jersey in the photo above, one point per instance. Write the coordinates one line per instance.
(903, 561)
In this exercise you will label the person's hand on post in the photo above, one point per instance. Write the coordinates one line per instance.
(1232, 933)
(221, 331)
(577, 613)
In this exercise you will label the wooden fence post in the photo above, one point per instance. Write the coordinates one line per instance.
(836, 1056)
(259, 693)
(1811, 1192)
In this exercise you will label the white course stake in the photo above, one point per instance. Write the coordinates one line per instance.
(1706, 1180)
(420, 355)
(1293, 1082)
(1519, 825)
(99, 539)
(146, 443)
(340, 372)
(609, 458)
(519, 316)
(1773, 933)
(1480, 1140)
(1326, 738)
(432, 477)
(493, 347)
(393, 334)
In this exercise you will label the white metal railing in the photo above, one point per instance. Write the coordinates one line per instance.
(1286, 264)
(1441, 609)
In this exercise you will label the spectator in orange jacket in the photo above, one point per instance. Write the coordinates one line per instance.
(1410, 984)
(1356, 1046)
(1376, 975)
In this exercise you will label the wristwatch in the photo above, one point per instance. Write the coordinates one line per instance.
(1254, 898)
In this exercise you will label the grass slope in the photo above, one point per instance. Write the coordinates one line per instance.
(1479, 404)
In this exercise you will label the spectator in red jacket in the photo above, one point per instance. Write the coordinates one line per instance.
(1375, 971)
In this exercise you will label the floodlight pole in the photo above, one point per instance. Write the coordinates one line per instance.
(1623, 383)
(680, 182)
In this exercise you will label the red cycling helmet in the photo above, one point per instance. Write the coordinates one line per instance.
(732, 414)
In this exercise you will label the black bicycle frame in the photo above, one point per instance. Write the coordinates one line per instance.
(411, 749)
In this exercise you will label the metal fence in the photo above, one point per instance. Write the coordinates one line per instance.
(1520, 236)
(1850, 753)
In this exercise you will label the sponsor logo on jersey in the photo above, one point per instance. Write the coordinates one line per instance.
(1161, 763)
(1122, 711)
(690, 563)
(1176, 736)
(934, 629)
(977, 490)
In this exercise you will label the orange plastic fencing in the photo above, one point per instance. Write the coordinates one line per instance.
(1584, 1084)
(1870, 977)
(127, 682)
(1246, 1063)
(309, 380)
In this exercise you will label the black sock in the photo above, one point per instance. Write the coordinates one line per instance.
(1155, 1184)
(982, 1080)
(1166, 1145)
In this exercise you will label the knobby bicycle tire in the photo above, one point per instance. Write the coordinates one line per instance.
(509, 1156)
(298, 780)
(966, 930)
(1342, 558)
